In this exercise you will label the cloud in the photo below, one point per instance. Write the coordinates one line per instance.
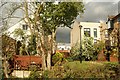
(96, 11)
(119, 7)
(63, 35)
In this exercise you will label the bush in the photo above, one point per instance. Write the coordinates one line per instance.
(34, 75)
(112, 70)
(70, 59)
(90, 69)
(46, 74)
(58, 57)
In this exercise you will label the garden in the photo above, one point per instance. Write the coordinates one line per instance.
(46, 18)
(86, 69)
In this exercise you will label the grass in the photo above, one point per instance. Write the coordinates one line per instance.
(84, 65)
(86, 69)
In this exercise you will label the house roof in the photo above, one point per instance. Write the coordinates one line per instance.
(113, 17)
(6, 36)
(116, 16)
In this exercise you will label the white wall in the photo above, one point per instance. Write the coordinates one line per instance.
(65, 46)
(16, 26)
(91, 25)
(75, 32)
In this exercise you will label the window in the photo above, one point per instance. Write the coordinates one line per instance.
(25, 27)
(62, 48)
(112, 23)
(87, 32)
(95, 32)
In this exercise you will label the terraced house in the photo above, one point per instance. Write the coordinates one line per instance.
(114, 34)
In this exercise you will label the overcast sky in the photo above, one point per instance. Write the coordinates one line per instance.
(94, 12)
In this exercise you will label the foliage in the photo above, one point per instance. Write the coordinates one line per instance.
(8, 49)
(100, 45)
(46, 17)
(45, 74)
(88, 48)
(112, 70)
(75, 49)
(54, 15)
(8, 46)
(113, 51)
(32, 45)
(19, 33)
(57, 57)
(85, 70)
(34, 75)
(23, 50)
(70, 59)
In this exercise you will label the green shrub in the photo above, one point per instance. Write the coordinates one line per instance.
(70, 59)
(58, 57)
(112, 70)
(46, 74)
(34, 75)
(88, 69)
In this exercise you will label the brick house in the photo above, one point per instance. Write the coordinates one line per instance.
(113, 23)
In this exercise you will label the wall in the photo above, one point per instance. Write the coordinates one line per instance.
(91, 25)
(16, 26)
(63, 46)
(75, 32)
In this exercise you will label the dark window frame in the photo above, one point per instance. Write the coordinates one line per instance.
(87, 32)
(25, 27)
(95, 32)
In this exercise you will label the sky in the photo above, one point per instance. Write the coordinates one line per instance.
(94, 12)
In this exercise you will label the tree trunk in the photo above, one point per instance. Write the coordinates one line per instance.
(5, 67)
(43, 50)
(49, 60)
(52, 51)
(43, 61)
(53, 42)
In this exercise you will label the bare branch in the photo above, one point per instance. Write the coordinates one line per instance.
(3, 4)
